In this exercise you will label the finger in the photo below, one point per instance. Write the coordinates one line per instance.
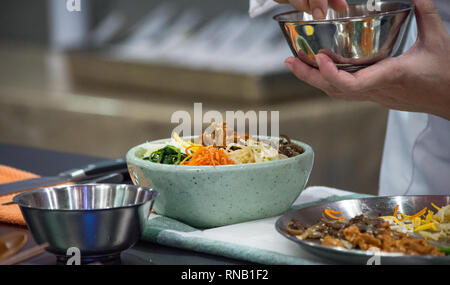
(305, 5)
(306, 73)
(365, 83)
(338, 5)
(368, 78)
(429, 23)
(339, 78)
(318, 8)
(300, 5)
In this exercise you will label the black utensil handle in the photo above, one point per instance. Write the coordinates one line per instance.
(113, 178)
(96, 169)
(105, 166)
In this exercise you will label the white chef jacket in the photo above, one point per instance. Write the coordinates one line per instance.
(416, 156)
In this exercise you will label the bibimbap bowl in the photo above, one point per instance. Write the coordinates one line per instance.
(207, 196)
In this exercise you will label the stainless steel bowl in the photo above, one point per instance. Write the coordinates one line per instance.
(101, 220)
(353, 39)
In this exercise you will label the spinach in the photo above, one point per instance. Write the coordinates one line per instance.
(445, 250)
(167, 155)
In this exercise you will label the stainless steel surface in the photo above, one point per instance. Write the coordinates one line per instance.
(370, 207)
(353, 39)
(99, 219)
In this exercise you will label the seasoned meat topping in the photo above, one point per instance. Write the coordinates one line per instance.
(362, 232)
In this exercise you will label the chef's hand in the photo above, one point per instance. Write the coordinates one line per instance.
(317, 8)
(418, 80)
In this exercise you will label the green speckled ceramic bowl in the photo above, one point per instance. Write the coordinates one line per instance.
(206, 196)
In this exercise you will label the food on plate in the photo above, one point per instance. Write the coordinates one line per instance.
(426, 223)
(361, 232)
(218, 145)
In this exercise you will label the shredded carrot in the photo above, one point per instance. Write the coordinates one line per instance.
(330, 213)
(189, 147)
(206, 156)
(396, 214)
(418, 214)
(333, 212)
(395, 211)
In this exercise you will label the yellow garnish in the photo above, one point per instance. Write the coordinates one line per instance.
(421, 221)
(405, 217)
(429, 217)
(436, 207)
(393, 219)
(425, 227)
(416, 221)
(186, 144)
(180, 141)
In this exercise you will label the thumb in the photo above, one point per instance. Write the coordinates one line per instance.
(429, 23)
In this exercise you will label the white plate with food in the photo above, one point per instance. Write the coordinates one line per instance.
(378, 230)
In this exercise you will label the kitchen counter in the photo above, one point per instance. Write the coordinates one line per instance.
(44, 162)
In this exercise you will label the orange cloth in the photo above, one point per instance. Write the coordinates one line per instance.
(11, 213)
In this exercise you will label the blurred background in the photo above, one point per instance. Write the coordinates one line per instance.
(103, 79)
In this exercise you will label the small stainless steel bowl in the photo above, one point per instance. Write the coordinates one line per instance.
(353, 39)
(101, 220)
